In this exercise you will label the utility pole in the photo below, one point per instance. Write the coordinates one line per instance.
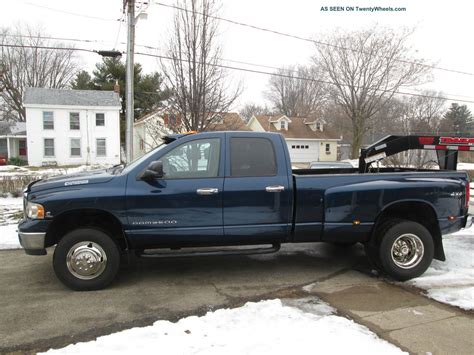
(129, 79)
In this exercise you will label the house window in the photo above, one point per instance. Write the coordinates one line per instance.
(101, 147)
(100, 119)
(172, 120)
(49, 147)
(306, 146)
(48, 120)
(318, 126)
(282, 125)
(218, 120)
(75, 147)
(292, 147)
(74, 123)
(328, 148)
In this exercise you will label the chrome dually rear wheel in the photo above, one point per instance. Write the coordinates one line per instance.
(407, 251)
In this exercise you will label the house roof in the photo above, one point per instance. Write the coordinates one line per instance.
(298, 128)
(231, 121)
(66, 97)
(12, 128)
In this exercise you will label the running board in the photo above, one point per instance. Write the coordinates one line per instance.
(273, 249)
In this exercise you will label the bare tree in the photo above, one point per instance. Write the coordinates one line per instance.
(251, 109)
(292, 94)
(366, 68)
(414, 115)
(201, 89)
(27, 65)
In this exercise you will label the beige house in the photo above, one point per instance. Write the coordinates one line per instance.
(308, 140)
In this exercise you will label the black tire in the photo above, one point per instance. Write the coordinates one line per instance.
(411, 238)
(372, 253)
(88, 244)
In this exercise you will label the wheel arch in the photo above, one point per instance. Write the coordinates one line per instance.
(90, 218)
(419, 211)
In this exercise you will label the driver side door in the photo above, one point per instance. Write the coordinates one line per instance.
(184, 207)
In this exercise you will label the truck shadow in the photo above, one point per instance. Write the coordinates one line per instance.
(292, 262)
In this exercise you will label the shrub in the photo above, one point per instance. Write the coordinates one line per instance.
(16, 161)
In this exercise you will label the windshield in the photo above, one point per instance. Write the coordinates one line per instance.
(138, 161)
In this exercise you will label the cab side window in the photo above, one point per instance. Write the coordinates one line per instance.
(195, 159)
(252, 157)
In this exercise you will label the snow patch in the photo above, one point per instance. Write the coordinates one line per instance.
(266, 327)
(9, 237)
(452, 281)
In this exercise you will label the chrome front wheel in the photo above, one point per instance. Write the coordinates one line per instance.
(86, 260)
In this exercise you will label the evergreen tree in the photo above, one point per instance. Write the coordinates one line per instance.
(458, 119)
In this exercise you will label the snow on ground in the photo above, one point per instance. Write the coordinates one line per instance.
(452, 281)
(12, 170)
(465, 166)
(10, 213)
(9, 237)
(267, 327)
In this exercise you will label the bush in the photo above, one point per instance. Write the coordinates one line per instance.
(16, 161)
(17, 193)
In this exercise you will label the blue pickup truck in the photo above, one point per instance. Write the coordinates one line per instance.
(196, 192)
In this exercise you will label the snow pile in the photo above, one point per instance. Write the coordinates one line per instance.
(452, 281)
(266, 327)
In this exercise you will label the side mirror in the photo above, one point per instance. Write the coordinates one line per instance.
(153, 171)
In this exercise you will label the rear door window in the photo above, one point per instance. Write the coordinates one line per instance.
(252, 157)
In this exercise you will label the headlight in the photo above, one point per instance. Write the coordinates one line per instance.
(34, 210)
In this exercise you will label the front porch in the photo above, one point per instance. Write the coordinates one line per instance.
(13, 146)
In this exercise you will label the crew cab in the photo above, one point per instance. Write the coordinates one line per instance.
(197, 191)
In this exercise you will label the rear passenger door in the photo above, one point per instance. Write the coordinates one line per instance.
(257, 195)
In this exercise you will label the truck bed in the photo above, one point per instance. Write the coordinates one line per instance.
(343, 204)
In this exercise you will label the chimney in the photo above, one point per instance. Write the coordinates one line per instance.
(117, 87)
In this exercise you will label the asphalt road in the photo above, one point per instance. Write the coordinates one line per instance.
(38, 312)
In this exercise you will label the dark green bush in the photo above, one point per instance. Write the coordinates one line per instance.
(17, 161)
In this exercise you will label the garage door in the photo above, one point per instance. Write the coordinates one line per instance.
(303, 151)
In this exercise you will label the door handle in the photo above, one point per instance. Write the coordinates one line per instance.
(276, 188)
(207, 191)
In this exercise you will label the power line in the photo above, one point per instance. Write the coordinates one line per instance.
(237, 69)
(68, 12)
(48, 47)
(279, 33)
(300, 78)
(155, 48)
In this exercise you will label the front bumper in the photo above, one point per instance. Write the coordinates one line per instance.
(33, 243)
(32, 236)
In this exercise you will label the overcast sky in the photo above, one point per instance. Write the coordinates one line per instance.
(442, 36)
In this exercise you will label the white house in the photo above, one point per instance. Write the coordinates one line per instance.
(308, 140)
(149, 129)
(13, 140)
(72, 127)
